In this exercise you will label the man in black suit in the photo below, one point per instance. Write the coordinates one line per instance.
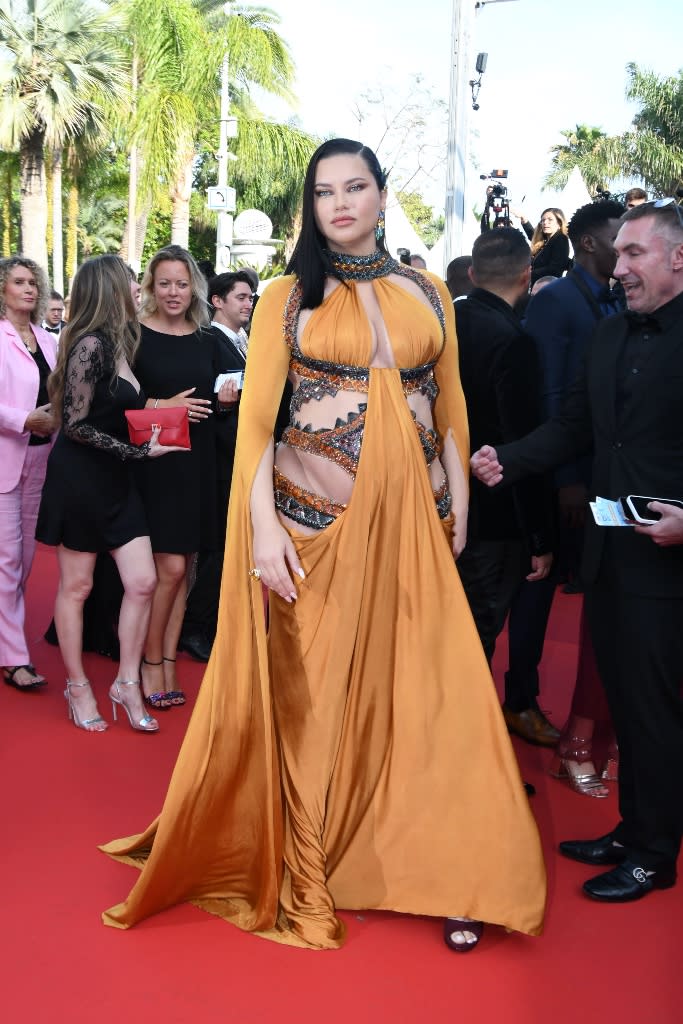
(627, 407)
(231, 298)
(509, 533)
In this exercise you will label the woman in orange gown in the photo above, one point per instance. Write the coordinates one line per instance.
(354, 755)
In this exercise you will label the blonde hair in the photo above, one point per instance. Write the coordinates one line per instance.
(198, 310)
(7, 265)
(101, 304)
(538, 239)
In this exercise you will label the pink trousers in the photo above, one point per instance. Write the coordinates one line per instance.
(18, 515)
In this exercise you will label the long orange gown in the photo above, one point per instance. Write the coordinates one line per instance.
(356, 757)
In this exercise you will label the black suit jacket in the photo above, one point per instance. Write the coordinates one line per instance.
(500, 378)
(638, 449)
(229, 359)
(226, 422)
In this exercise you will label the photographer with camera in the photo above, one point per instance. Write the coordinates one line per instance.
(497, 202)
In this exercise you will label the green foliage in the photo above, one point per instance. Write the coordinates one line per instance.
(94, 77)
(651, 150)
(59, 59)
(158, 230)
(421, 216)
(582, 149)
(100, 225)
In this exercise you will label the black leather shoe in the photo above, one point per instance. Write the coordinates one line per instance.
(196, 645)
(531, 725)
(628, 882)
(594, 851)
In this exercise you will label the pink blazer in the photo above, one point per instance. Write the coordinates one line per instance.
(19, 381)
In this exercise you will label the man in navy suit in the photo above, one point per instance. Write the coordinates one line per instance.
(561, 319)
(626, 406)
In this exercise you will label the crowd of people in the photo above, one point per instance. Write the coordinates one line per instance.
(347, 748)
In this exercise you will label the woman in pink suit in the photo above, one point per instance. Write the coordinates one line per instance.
(27, 356)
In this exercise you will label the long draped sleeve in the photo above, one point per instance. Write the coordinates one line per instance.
(450, 411)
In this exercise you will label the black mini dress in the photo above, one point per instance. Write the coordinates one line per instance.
(90, 500)
(179, 490)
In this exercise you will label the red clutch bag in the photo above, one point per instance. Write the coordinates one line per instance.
(174, 423)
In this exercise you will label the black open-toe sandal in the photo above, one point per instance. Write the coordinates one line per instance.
(158, 701)
(9, 674)
(176, 697)
(462, 924)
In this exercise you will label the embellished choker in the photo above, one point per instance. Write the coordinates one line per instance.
(361, 268)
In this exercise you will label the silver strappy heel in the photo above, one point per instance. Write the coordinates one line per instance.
(146, 723)
(89, 724)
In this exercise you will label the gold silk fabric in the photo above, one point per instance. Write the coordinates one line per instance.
(356, 756)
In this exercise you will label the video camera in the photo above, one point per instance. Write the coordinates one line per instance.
(497, 201)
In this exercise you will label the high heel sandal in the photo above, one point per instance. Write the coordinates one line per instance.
(176, 697)
(146, 723)
(88, 724)
(566, 756)
(610, 773)
(158, 701)
(462, 925)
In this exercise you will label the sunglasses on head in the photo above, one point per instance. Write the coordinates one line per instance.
(662, 204)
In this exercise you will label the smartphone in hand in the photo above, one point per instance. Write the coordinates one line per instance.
(634, 507)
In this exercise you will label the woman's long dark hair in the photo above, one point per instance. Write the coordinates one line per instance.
(309, 262)
(101, 303)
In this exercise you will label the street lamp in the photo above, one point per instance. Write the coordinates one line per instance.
(458, 125)
(221, 197)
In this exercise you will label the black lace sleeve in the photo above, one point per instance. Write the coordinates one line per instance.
(89, 362)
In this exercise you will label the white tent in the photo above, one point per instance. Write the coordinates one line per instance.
(573, 195)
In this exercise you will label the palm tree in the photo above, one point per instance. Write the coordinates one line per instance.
(651, 150)
(98, 228)
(177, 47)
(60, 59)
(583, 148)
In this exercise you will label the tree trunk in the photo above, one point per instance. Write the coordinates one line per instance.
(181, 192)
(141, 231)
(33, 198)
(48, 197)
(7, 211)
(292, 235)
(57, 232)
(129, 242)
(72, 232)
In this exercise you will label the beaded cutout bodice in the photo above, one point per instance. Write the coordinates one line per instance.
(320, 385)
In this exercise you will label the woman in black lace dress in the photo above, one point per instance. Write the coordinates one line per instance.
(90, 502)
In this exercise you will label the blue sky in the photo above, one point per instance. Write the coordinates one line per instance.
(550, 65)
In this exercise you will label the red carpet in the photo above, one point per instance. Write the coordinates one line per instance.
(65, 791)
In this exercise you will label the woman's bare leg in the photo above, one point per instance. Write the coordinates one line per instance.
(171, 570)
(135, 563)
(75, 583)
(172, 634)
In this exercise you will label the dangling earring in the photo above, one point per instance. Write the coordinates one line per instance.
(379, 228)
